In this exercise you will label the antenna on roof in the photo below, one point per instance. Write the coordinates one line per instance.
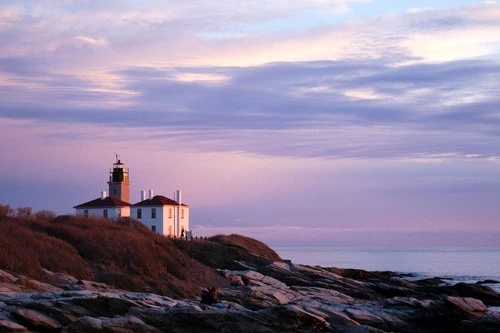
(117, 157)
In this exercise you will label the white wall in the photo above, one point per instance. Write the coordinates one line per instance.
(164, 221)
(147, 220)
(113, 212)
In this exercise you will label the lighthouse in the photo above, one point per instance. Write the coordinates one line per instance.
(119, 183)
(165, 216)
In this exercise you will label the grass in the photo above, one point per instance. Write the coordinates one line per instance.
(124, 254)
(223, 251)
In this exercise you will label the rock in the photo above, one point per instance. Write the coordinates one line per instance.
(488, 282)
(406, 302)
(236, 280)
(398, 321)
(62, 280)
(84, 324)
(489, 323)
(295, 318)
(336, 318)
(281, 265)
(9, 326)
(7, 277)
(366, 318)
(105, 305)
(128, 324)
(36, 319)
(363, 329)
(268, 298)
(35, 285)
(488, 295)
(449, 311)
(435, 281)
(325, 296)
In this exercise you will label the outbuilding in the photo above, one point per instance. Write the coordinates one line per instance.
(107, 207)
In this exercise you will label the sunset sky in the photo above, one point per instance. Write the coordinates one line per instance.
(307, 122)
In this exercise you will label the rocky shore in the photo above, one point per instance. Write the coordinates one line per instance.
(276, 297)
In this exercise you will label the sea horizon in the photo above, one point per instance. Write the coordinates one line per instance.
(454, 263)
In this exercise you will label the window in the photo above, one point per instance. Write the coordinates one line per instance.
(153, 228)
(170, 213)
(182, 213)
(153, 213)
(105, 213)
(139, 213)
(170, 230)
(86, 213)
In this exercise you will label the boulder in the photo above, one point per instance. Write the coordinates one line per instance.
(36, 319)
(447, 312)
(105, 305)
(7, 277)
(9, 326)
(488, 295)
(127, 324)
(489, 323)
(84, 324)
(366, 318)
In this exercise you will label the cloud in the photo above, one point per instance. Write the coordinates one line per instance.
(344, 109)
(201, 77)
(92, 41)
(379, 88)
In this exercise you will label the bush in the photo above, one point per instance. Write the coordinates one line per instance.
(29, 252)
(24, 212)
(45, 215)
(124, 253)
(6, 211)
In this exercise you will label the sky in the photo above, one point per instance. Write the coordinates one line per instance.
(298, 123)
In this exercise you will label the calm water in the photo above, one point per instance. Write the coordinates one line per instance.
(457, 264)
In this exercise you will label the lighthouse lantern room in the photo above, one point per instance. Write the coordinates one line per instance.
(119, 184)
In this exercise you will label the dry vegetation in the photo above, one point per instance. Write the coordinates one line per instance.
(223, 251)
(124, 253)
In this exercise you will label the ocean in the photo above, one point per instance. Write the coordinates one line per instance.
(453, 264)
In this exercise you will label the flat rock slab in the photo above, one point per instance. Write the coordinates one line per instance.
(9, 326)
(469, 306)
(37, 319)
(366, 318)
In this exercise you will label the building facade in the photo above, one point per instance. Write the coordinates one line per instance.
(165, 216)
(107, 207)
(119, 182)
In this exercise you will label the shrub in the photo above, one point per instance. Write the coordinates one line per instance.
(45, 215)
(6, 211)
(24, 212)
(27, 251)
(125, 253)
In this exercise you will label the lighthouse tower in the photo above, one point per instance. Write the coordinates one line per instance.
(119, 184)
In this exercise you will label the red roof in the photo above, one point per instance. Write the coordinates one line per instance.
(158, 200)
(107, 202)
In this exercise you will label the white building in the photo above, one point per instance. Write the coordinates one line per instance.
(169, 217)
(163, 215)
(107, 207)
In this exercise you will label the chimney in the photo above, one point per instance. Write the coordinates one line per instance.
(143, 195)
(103, 195)
(179, 197)
(151, 194)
